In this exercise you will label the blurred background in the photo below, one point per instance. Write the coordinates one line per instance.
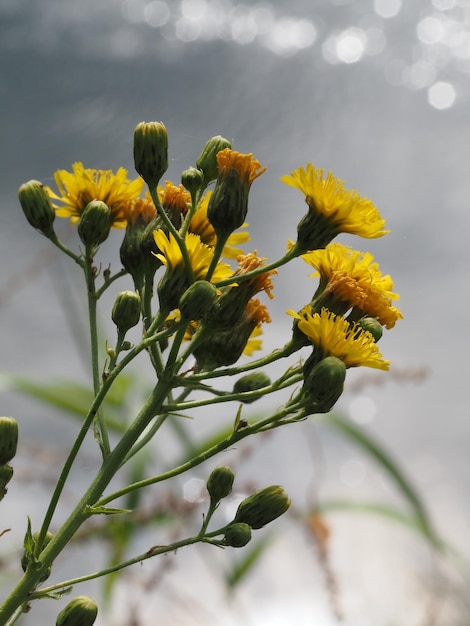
(378, 92)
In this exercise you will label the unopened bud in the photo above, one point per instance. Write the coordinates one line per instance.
(126, 310)
(6, 473)
(37, 206)
(371, 325)
(151, 151)
(81, 611)
(197, 300)
(94, 224)
(8, 439)
(192, 179)
(207, 160)
(251, 382)
(324, 384)
(220, 482)
(237, 535)
(263, 507)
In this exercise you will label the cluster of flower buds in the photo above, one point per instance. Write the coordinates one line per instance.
(8, 445)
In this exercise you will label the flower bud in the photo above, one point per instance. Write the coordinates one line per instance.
(219, 484)
(94, 224)
(151, 151)
(126, 310)
(6, 473)
(371, 325)
(8, 439)
(251, 382)
(263, 507)
(237, 535)
(197, 300)
(37, 206)
(192, 179)
(81, 611)
(324, 384)
(207, 160)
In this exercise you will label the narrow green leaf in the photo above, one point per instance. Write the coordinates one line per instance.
(250, 557)
(384, 460)
(104, 510)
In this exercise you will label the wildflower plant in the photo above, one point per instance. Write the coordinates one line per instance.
(199, 313)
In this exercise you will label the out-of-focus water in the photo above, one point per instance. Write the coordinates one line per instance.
(376, 91)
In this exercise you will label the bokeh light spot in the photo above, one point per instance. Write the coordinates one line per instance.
(387, 8)
(350, 45)
(441, 95)
(157, 13)
(362, 409)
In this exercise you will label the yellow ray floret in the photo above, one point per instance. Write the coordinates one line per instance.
(200, 255)
(246, 165)
(81, 186)
(347, 210)
(332, 335)
(356, 278)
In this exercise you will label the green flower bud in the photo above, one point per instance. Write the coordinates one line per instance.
(81, 611)
(219, 483)
(151, 151)
(263, 507)
(251, 382)
(197, 300)
(94, 224)
(8, 439)
(371, 325)
(207, 160)
(26, 558)
(192, 179)
(324, 383)
(6, 473)
(126, 310)
(228, 205)
(237, 535)
(37, 206)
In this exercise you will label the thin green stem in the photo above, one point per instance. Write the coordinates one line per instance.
(101, 431)
(260, 270)
(109, 281)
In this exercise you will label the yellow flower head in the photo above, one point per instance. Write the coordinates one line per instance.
(262, 282)
(356, 279)
(247, 167)
(201, 226)
(174, 199)
(141, 210)
(345, 211)
(332, 335)
(81, 186)
(200, 255)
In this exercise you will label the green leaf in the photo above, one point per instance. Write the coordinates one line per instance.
(104, 510)
(385, 461)
(250, 558)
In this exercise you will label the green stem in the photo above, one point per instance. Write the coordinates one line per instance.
(266, 424)
(101, 432)
(110, 465)
(260, 270)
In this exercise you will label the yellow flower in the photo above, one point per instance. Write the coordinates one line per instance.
(262, 282)
(175, 199)
(356, 279)
(201, 226)
(81, 186)
(332, 335)
(200, 255)
(247, 167)
(344, 211)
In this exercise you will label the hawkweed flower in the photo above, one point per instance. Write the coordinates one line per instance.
(352, 279)
(178, 277)
(225, 347)
(231, 304)
(332, 210)
(201, 225)
(135, 257)
(81, 186)
(332, 335)
(228, 204)
(175, 201)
